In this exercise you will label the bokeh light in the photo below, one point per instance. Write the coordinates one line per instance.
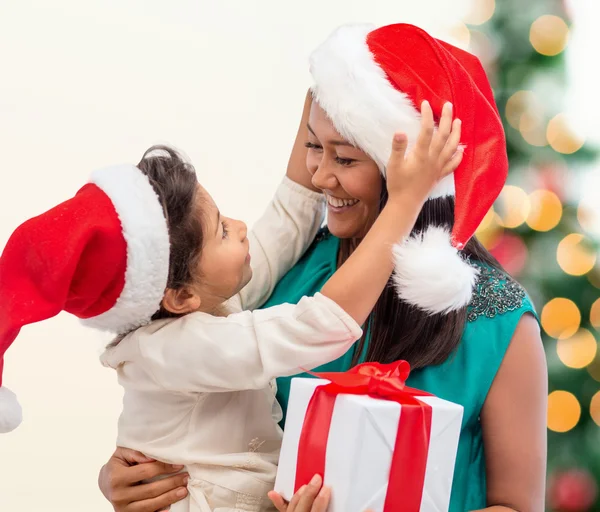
(561, 136)
(517, 105)
(561, 318)
(595, 315)
(579, 350)
(549, 35)
(461, 34)
(480, 12)
(564, 411)
(512, 253)
(490, 230)
(545, 212)
(588, 215)
(533, 128)
(594, 369)
(575, 256)
(513, 206)
(595, 408)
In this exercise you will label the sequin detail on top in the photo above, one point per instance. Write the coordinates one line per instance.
(496, 293)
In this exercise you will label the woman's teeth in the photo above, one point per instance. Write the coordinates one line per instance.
(338, 203)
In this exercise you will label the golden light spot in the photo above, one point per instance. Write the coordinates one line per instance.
(561, 136)
(490, 230)
(564, 411)
(517, 105)
(481, 11)
(594, 278)
(575, 255)
(514, 206)
(595, 315)
(549, 35)
(588, 216)
(546, 210)
(579, 350)
(594, 369)
(461, 33)
(533, 128)
(561, 318)
(595, 408)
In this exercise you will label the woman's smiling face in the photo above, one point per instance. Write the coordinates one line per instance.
(348, 177)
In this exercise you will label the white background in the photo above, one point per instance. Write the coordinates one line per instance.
(87, 84)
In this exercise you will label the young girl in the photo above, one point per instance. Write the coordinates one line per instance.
(145, 251)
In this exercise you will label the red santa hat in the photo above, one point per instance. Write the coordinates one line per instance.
(102, 256)
(370, 82)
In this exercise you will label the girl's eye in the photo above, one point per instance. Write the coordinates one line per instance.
(344, 161)
(310, 145)
(225, 230)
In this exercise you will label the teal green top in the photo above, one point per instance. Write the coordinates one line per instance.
(465, 377)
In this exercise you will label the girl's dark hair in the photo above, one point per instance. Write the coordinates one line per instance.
(399, 330)
(174, 181)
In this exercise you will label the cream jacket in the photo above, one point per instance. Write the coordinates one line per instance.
(199, 390)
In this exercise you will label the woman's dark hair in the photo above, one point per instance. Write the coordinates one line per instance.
(399, 330)
(174, 181)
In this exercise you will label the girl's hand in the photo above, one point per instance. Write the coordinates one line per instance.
(435, 155)
(313, 497)
(121, 482)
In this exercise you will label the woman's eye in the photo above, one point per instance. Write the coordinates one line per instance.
(310, 145)
(344, 161)
(225, 230)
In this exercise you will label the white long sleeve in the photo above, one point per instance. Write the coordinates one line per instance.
(279, 239)
(204, 353)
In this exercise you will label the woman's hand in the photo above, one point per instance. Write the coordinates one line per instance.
(436, 154)
(313, 497)
(121, 478)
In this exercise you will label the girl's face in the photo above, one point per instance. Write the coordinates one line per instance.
(224, 265)
(348, 177)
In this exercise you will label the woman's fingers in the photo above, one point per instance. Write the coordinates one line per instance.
(153, 489)
(147, 471)
(278, 501)
(322, 500)
(309, 495)
(158, 503)
(427, 128)
(131, 457)
(443, 132)
(296, 499)
(452, 143)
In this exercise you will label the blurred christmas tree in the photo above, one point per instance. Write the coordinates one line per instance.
(542, 231)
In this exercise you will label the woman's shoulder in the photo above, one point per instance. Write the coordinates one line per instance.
(496, 296)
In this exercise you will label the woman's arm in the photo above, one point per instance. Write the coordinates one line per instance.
(514, 425)
(296, 169)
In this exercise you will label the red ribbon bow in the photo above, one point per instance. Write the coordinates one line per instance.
(384, 382)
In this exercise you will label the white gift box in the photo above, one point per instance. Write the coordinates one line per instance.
(360, 447)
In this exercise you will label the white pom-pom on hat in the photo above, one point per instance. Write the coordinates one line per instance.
(431, 273)
(11, 414)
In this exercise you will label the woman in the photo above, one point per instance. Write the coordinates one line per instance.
(467, 329)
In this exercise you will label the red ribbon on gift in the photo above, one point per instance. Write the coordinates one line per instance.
(384, 382)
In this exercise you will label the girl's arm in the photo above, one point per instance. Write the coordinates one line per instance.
(514, 425)
(287, 227)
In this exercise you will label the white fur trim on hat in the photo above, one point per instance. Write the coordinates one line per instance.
(431, 274)
(147, 236)
(365, 108)
(11, 414)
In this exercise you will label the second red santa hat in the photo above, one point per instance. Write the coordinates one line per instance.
(102, 255)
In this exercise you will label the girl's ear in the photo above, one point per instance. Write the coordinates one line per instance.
(181, 301)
